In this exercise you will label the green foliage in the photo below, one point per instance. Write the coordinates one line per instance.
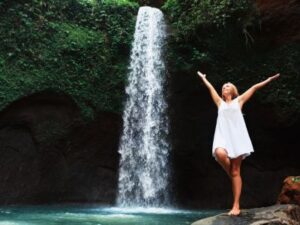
(120, 2)
(78, 47)
(81, 47)
(221, 38)
(189, 15)
(204, 29)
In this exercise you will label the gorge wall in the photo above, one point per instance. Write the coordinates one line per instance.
(198, 180)
(50, 153)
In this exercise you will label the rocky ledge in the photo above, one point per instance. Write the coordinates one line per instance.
(273, 215)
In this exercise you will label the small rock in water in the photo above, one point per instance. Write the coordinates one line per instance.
(273, 215)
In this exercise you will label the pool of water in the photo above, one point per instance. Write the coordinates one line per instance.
(97, 215)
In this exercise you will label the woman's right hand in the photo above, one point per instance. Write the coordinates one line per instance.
(202, 75)
(274, 77)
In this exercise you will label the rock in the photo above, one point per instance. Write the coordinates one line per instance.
(48, 154)
(30, 163)
(280, 20)
(153, 3)
(290, 193)
(93, 160)
(273, 215)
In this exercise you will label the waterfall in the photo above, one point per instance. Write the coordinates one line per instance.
(144, 150)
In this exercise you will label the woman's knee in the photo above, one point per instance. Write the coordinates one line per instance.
(221, 153)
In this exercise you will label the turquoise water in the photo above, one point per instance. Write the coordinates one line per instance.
(96, 215)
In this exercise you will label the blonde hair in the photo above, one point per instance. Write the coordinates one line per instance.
(234, 91)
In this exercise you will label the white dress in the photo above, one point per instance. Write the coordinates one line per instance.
(231, 131)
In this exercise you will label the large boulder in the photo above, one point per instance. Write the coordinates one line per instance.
(273, 215)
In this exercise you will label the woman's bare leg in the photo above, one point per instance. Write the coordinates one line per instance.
(223, 160)
(236, 185)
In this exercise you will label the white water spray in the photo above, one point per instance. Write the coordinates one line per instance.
(143, 175)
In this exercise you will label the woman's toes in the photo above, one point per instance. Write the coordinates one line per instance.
(234, 212)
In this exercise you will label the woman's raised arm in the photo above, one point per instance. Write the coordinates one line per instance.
(248, 94)
(216, 98)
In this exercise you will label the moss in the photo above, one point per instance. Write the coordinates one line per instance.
(78, 48)
(121, 2)
(69, 34)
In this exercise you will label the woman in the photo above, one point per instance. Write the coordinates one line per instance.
(231, 139)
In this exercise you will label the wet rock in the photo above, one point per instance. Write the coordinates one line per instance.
(273, 215)
(290, 193)
(48, 154)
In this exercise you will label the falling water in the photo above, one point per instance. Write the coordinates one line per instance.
(143, 175)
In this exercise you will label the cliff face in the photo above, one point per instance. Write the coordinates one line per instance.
(198, 179)
(280, 20)
(153, 3)
(49, 155)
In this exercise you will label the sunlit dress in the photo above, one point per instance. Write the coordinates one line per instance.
(231, 132)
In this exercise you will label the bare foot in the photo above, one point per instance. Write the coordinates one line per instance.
(234, 212)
